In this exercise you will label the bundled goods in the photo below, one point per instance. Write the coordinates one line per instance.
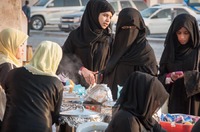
(178, 122)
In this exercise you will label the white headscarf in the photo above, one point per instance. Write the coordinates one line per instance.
(46, 59)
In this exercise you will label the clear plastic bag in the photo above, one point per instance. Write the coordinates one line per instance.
(99, 93)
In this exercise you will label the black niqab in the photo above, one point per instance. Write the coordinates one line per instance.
(130, 44)
(142, 95)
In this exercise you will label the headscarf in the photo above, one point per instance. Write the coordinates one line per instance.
(46, 59)
(173, 49)
(10, 40)
(91, 43)
(142, 95)
(130, 44)
(90, 29)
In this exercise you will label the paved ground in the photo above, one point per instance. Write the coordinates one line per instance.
(54, 34)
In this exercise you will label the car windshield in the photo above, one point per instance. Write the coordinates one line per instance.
(41, 3)
(146, 13)
(115, 6)
(140, 5)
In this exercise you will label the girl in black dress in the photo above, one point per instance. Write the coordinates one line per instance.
(179, 65)
(87, 48)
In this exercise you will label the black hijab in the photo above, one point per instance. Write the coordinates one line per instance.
(173, 49)
(142, 95)
(130, 44)
(90, 29)
(90, 42)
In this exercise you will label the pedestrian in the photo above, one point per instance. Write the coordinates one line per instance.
(179, 65)
(90, 43)
(131, 51)
(27, 11)
(34, 92)
(141, 96)
(11, 51)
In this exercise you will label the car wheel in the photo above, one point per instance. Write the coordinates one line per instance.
(37, 23)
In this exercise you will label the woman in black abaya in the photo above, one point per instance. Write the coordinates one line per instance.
(179, 66)
(87, 47)
(142, 95)
(131, 51)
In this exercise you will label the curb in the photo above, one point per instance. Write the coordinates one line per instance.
(156, 39)
(49, 33)
(65, 34)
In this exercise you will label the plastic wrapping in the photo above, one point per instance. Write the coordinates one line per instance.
(99, 93)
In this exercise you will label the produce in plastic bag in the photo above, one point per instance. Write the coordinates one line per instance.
(99, 93)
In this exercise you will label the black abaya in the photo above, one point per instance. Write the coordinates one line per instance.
(131, 51)
(141, 96)
(32, 106)
(88, 45)
(184, 92)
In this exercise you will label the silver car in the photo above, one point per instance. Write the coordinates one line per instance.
(71, 21)
(48, 12)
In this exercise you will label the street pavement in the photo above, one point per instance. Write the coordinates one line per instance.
(55, 35)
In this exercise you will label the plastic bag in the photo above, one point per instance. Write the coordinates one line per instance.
(99, 93)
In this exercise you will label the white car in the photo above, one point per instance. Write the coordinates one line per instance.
(118, 5)
(71, 21)
(48, 12)
(158, 18)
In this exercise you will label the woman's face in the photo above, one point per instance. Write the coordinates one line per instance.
(183, 35)
(20, 52)
(104, 19)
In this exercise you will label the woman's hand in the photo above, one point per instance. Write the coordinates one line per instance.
(88, 75)
(176, 75)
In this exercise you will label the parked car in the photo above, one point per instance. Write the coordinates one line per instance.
(71, 21)
(48, 12)
(158, 18)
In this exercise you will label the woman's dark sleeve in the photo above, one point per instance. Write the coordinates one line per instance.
(4, 69)
(70, 63)
(162, 77)
(196, 127)
(157, 128)
(123, 122)
(56, 113)
(68, 45)
(192, 82)
(162, 73)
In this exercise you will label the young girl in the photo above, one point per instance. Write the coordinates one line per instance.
(87, 48)
(179, 66)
